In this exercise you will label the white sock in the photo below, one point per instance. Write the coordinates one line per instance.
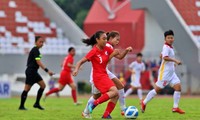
(128, 92)
(177, 95)
(139, 92)
(121, 99)
(89, 101)
(149, 96)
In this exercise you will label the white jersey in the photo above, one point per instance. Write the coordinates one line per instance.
(137, 68)
(167, 69)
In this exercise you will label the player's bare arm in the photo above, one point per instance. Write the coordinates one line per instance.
(78, 65)
(124, 53)
(71, 65)
(132, 71)
(114, 53)
(44, 68)
(166, 58)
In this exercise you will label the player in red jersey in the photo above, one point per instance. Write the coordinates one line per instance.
(65, 76)
(99, 57)
(113, 38)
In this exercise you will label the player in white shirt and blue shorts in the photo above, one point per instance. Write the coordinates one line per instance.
(167, 74)
(136, 68)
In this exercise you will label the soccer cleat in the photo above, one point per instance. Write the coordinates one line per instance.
(38, 106)
(91, 106)
(143, 106)
(22, 108)
(108, 117)
(86, 115)
(78, 103)
(122, 113)
(178, 110)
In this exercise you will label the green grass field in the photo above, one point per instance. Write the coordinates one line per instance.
(63, 109)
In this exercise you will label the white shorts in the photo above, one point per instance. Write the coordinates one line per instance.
(135, 82)
(94, 89)
(110, 74)
(174, 80)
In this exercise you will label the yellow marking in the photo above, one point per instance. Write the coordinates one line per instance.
(162, 70)
(37, 58)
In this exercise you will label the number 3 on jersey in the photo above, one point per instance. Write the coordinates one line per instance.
(100, 58)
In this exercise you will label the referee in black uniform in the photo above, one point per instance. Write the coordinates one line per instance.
(32, 75)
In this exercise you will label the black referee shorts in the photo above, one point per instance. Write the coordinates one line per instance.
(32, 76)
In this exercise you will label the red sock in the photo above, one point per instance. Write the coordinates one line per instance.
(54, 90)
(74, 95)
(109, 109)
(102, 99)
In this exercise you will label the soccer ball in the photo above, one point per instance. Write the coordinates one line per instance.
(131, 112)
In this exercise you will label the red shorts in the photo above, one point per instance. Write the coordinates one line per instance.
(65, 78)
(103, 83)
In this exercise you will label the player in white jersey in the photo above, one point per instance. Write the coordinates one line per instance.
(167, 74)
(113, 40)
(136, 68)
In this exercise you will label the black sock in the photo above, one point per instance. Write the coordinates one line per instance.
(39, 95)
(23, 98)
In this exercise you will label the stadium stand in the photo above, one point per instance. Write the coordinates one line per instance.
(21, 21)
(190, 11)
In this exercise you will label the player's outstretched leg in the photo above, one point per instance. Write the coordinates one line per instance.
(23, 99)
(112, 103)
(39, 95)
(139, 93)
(122, 100)
(110, 107)
(128, 92)
(86, 112)
(149, 96)
(176, 96)
(100, 100)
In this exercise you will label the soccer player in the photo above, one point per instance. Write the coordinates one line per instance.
(51, 84)
(99, 57)
(113, 38)
(136, 68)
(32, 75)
(65, 76)
(167, 74)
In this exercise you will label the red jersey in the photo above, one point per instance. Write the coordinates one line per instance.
(99, 59)
(68, 59)
(108, 44)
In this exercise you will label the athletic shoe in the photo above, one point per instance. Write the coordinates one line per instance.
(108, 117)
(38, 106)
(178, 110)
(91, 106)
(22, 108)
(122, 112)
(78, 103)
(143, 106)
(86, 115)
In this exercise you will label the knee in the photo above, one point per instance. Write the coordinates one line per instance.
(115, 93)
(158, 90)
(73, 87)
(120, 86)
(43, 86)
(177, 87)
(96, 96)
